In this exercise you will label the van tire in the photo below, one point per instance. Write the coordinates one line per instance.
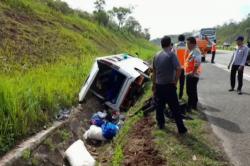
(203, 59)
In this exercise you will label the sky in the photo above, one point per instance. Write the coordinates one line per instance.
(165, 17)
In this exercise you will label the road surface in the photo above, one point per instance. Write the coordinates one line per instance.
(228, 112)
(222, 59)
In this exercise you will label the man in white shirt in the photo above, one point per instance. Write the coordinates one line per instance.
(239, 59)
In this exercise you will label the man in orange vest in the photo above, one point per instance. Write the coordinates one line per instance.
(192, 70)
(180, 51)
(213, 50)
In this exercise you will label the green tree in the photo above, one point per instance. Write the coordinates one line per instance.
(247, 33)
(100, 15)
(99, 5)
(147, 34)
(132, 25)
(121, 14)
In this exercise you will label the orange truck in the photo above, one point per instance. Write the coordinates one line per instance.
(204, 40)
(204, 46)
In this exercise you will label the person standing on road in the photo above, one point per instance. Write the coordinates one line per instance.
(181, 51)
(213, 50)
(192, 69)
(238, 62)
(166, 72)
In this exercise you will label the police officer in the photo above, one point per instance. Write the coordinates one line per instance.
(238, 62)
(166, 72)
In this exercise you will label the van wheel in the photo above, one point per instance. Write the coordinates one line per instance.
(203, 59)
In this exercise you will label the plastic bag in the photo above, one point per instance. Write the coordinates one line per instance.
(96, 120)
(94, 132)
(109, 130)
(78, 155)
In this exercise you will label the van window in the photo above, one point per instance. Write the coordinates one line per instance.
(108, 83)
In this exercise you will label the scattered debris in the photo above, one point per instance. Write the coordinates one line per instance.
(63, 114)
(194, 158)
(109, 130)
(150, 105)
(104, 125)
(94, 132)
(78, 155)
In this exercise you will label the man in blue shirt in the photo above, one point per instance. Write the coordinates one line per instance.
(238, 62)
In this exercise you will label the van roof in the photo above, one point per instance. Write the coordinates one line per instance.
(127, 63)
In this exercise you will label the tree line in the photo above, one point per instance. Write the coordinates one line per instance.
(118, 18)
(230, 30)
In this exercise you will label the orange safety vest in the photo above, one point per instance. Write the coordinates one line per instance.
(213, 47)
(181, 53)
(190, 65)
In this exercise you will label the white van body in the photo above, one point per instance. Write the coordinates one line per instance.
(111, 78)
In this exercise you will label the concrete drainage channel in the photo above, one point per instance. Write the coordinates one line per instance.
(48, 146)
(30, 144)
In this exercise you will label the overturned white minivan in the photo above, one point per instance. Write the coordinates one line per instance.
(118, 80)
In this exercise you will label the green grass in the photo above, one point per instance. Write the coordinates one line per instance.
(45, 56)
(122, 138)
(192, 149)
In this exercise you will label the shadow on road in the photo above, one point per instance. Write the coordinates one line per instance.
(207, 108)
(220, 122)
(225, 124)
(245, 93)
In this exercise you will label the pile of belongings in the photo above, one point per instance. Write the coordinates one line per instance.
(104, 126)
(150, 105)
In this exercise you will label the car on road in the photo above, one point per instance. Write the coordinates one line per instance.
(226, 45)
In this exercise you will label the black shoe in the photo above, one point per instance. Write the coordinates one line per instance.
(195, 107)
(189, 110)
(183, 131)
(239, 92)
(161, 127)
(180, 96)
(230, 90)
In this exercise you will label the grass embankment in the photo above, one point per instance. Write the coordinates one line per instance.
(45, 56)
(198, 147)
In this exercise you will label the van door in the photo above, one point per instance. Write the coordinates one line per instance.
(88, 82)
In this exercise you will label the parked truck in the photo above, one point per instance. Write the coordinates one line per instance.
(204, 40)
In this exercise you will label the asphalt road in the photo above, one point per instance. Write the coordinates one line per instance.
(228, 112)
(222, 59)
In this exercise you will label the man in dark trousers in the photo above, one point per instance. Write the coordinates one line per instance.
(192, 70)
(238, 62)
(181, 51)
(166, 72)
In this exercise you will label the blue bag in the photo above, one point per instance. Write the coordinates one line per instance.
(109, 130)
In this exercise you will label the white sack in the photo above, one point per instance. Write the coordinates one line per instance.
(94, 132)
(78, 155)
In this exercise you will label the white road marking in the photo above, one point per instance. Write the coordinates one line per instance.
(224, 67)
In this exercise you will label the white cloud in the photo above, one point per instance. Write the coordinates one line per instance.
(176, 16)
